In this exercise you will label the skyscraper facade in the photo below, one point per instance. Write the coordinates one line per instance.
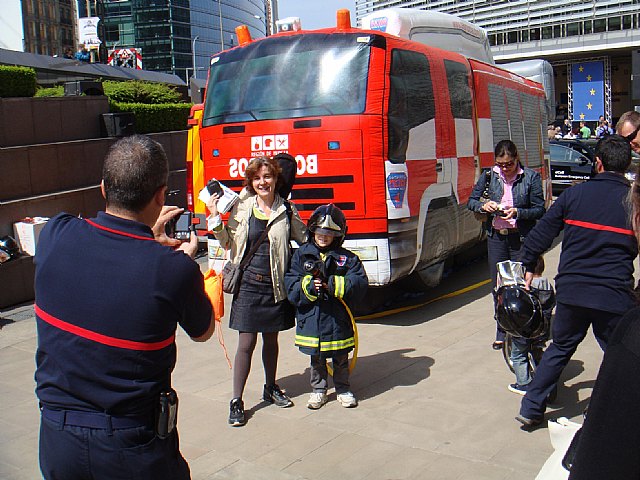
(48, 27)
(177, 35)
(567, 33)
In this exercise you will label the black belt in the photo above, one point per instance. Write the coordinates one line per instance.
(98, 420)
(507, 231)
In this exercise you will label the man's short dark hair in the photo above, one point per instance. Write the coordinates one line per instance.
(615, 153)
(134, 169)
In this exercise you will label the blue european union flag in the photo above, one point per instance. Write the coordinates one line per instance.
(588, 90)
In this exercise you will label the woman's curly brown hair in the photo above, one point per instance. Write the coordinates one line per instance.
(254, 167)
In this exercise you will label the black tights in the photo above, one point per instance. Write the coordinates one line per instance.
(242, 363)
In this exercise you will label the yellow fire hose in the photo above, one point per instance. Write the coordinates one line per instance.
(354, 359)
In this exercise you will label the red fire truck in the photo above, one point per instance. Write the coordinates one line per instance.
(392, 130)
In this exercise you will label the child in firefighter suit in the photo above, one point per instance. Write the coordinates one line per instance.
(323, 280)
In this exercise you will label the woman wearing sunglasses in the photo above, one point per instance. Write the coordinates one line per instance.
(511, 196)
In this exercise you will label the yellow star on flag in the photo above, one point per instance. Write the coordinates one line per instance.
(581, 68)
(592, 91)
(588, 78)
(589, 105)
(582, 116)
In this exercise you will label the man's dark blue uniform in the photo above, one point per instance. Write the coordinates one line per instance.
(595, 274)
(108, 300)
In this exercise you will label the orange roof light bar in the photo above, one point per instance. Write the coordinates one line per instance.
(343, 19)
(242, 32)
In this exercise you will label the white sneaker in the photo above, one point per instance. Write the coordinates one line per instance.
(317, 400)
(347, 400)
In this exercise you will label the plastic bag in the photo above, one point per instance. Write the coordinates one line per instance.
(561, 432)
(213, 287)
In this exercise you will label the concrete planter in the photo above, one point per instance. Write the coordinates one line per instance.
(29, 121)
(51, 156)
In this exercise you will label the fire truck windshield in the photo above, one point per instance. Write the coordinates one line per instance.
(289, 77)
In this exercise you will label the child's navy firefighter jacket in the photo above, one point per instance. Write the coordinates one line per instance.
(323, 323)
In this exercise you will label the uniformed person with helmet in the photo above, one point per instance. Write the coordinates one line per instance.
(323, 281)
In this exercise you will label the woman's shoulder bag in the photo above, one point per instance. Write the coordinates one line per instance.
(483, 216)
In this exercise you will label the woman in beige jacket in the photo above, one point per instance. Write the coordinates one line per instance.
(261, 304)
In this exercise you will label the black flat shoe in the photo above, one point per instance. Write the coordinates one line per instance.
(529, 423)
(273, 394)
(497, 345)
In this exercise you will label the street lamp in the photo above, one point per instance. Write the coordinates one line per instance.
(193, 53)
(220, 18)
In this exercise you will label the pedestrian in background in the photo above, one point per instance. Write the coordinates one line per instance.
(603, 128)
(261, 305)
(110, 292)
(585, 132)
(83, 55)
(515, 202)
(594, 285)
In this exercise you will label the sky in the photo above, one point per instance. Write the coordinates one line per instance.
(315, 13)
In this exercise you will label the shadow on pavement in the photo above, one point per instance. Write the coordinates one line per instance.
(373, 375)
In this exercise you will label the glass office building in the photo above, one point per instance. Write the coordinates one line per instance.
(564, 32)
(172, 34)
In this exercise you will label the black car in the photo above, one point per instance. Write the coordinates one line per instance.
(572, 161)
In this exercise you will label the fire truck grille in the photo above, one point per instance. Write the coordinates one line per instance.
(306, 190)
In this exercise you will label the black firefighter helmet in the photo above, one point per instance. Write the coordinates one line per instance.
(9, 249)
(327, 220)
(519, 312)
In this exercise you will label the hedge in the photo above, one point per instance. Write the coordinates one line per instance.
(136, 91)
(155, 118)
(17, 81)
(57, 91)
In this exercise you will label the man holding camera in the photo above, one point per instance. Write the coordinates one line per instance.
(594, 284)
(110, 292)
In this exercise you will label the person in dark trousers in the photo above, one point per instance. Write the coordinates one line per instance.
(323, 280)
(515, 202)
(609, 441)
(109, 294)
(260, 306)
(594, 285)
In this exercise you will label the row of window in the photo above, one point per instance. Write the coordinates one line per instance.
(412, 103)
(624, 22)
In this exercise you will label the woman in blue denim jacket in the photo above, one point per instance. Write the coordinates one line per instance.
(515, 204)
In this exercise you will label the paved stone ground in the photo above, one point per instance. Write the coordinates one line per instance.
(433, 402)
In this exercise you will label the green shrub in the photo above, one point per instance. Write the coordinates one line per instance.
(50, 92)
(155, 118)
(17, 81)
(135, 91)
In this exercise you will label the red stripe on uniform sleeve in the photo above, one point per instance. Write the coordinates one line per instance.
(99, 338)
(597, 226)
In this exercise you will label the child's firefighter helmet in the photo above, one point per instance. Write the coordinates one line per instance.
(327, 220)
